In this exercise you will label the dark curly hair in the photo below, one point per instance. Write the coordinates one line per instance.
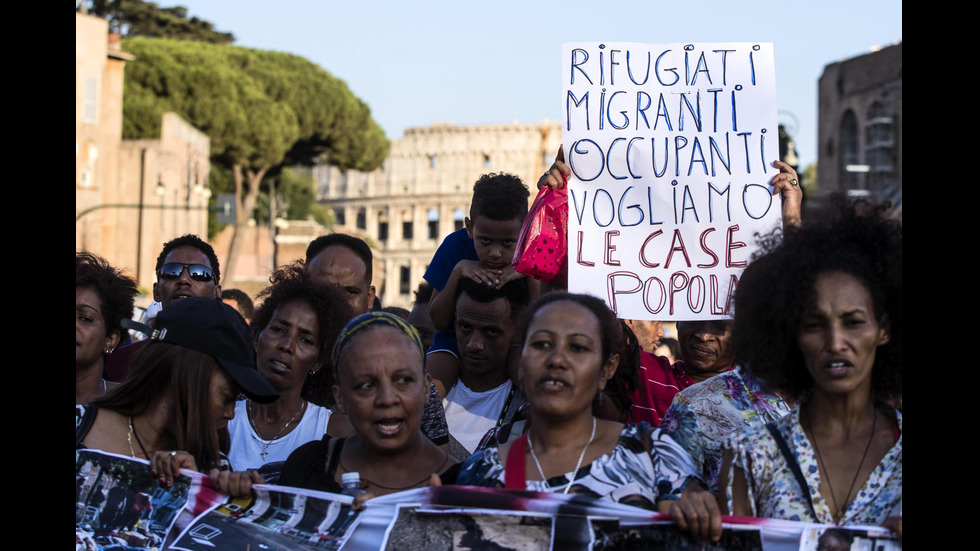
(293, 282)
(610, 329)
(424, 293)
(499, 196)
(777, 289)
(116, 291)
(627, 377)
(193, 241)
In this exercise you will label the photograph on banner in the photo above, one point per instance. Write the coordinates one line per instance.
(273, 517)
(119, 504)
(671, 149)
(469, 529)
(837, 538)
(667, 536)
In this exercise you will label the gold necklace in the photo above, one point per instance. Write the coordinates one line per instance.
(840, 512)
(265, 445)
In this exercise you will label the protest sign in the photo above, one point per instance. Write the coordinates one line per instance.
(671, 149)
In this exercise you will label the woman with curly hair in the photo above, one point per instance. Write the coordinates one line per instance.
(295, 328)
(819, 316)
(103, 298)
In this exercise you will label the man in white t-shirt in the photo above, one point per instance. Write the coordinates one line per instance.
(484, 396)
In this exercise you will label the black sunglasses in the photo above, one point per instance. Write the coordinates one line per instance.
(198, 272)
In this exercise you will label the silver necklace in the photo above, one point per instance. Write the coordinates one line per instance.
(581, 456)
(255, 429)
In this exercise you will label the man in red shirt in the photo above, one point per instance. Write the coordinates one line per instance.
(707, 350)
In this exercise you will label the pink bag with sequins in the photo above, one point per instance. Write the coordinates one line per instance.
(542, 248)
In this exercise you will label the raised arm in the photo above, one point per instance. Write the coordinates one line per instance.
(557, 174)
(787, 185)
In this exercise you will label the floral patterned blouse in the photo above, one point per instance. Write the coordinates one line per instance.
(628, 474)
(774, 492)
(704, 414)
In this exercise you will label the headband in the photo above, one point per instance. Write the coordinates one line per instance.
(366, 321)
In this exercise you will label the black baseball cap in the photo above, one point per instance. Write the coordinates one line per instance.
(210, 326)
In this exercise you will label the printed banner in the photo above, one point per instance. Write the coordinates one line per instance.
(119, 505)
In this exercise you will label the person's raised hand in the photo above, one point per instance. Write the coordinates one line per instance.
(787, 185)
(557, 174)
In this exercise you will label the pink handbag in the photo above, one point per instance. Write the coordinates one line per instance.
(542, 249)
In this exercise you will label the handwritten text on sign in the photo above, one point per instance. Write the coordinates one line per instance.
(670, 147)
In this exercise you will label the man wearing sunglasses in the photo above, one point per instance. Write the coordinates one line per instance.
(187, 267)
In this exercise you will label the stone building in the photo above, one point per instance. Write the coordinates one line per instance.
(860, 126)
(422, 192)
(99, 66)
(167, 183)
(131, 196)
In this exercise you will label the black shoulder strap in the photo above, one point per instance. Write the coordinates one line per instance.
(335, 457)
(86, 424)
(793, 465)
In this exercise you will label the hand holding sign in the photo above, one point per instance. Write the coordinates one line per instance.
(558, 174)
(787, 185)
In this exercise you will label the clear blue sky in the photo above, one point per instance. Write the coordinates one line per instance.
(498, 61)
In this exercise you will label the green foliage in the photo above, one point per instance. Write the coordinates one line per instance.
(808, 180)
(295, 200)
(139, 18)
(260, 108)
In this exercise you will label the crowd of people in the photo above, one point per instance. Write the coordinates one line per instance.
(791, 410)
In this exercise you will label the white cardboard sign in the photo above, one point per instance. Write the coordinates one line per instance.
(671, 149)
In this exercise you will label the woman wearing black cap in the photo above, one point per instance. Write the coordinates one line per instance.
(180, 391)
